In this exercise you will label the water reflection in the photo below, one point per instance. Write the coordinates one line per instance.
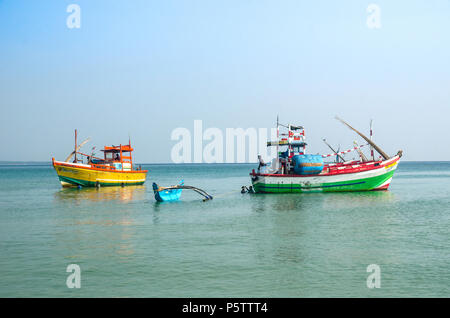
(351, 200)
(122, 194)
(91, 240)
(287, 233)
(107, 229)
(337, 200)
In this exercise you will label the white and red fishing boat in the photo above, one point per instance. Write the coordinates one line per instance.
(295, 171)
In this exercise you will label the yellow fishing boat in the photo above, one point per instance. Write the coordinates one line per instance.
(114, 169)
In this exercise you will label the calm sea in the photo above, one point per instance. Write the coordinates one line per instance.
(275, 245)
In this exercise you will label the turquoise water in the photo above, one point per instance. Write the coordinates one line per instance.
(279, 245)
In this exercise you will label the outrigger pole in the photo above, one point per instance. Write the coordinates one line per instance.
(198, 190)
(378, 149)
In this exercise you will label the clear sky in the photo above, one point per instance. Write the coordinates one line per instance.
(144, 68)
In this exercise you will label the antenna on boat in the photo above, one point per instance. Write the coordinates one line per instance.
(371, 148)
(378, 149)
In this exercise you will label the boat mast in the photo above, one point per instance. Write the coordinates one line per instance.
(75, 149)
(278, 138)
(370, 137)
(304, 139)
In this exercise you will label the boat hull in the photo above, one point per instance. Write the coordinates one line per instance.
(73, 175)
(167, 195)
(377, 178)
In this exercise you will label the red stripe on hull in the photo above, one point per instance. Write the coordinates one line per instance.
(385, 187)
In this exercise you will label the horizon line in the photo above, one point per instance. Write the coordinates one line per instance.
(12, 162)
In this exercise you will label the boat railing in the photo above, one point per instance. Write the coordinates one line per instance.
(112, 168)
(104, 167)
(353, 167)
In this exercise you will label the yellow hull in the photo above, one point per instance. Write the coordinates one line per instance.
(71, 174)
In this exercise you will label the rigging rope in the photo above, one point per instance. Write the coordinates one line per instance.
(343, 152)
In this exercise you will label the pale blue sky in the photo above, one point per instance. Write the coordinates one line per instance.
(146, 67)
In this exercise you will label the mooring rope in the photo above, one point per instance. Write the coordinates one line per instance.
(221, 195)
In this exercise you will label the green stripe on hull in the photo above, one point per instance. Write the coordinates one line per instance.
(84, 183)
(364, 184)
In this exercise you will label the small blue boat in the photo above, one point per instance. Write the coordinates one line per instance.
(173, 193)
(167, 194)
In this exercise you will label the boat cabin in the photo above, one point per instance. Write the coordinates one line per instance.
(293, 143)
(114, 158)
(119, 157)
